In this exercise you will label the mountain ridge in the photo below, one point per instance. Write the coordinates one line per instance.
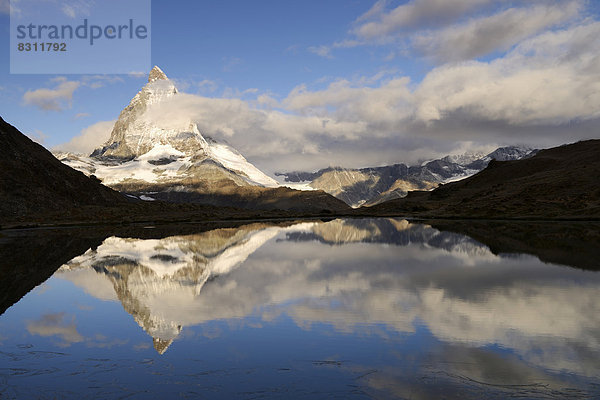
(373, 185)
(560, 183)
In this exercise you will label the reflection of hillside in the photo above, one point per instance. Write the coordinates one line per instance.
(575, 244)
(29, 258)
(341, 231)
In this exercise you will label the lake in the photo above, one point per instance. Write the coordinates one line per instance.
(344, 308)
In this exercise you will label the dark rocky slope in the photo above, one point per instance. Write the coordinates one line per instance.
(32, 180)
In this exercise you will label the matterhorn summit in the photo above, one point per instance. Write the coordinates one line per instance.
(133, 135)
(157, 75)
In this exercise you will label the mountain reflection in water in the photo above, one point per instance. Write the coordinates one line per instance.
(463, 317)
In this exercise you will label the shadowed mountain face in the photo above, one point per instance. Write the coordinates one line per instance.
(32, 180)
(561, 182)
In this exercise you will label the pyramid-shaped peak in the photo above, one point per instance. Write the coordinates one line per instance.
(156, 75)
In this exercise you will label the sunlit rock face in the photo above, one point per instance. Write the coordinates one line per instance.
(354, 275)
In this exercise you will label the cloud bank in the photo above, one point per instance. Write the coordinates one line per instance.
(541, 88)
(544, 92)
(56, 99)
(89, 139)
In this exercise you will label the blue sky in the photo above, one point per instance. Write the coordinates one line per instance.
(352, 83)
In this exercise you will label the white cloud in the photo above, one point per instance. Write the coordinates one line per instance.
(69, 11)
(56, 99)
(81, 115)
(323, 51)
(374, 12)
(346, 102)
(4, 7)
(138, 74)
(55, 325)
(550, 79)
(238, 94)
(88, 279)
(267, 101)
(90, 138)
(207, 85)
(60, 97)
(99, 81)
(412, 15)
(500, 31)
(544, 92)
(454, 30)
(76, 8)
(37, 136)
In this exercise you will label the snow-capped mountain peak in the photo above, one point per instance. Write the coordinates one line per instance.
(143, 154)
(464, 158)
(132, 134)
(510, 153)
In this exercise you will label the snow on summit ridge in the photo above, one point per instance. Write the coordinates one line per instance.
(133, 136)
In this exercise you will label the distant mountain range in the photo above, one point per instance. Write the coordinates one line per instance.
(559, 183)
(370, 186)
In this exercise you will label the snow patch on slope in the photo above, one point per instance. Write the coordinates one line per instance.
(231, 159)
(161, 151)
(142, 169)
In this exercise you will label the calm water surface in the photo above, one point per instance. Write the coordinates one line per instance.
(379, 308)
